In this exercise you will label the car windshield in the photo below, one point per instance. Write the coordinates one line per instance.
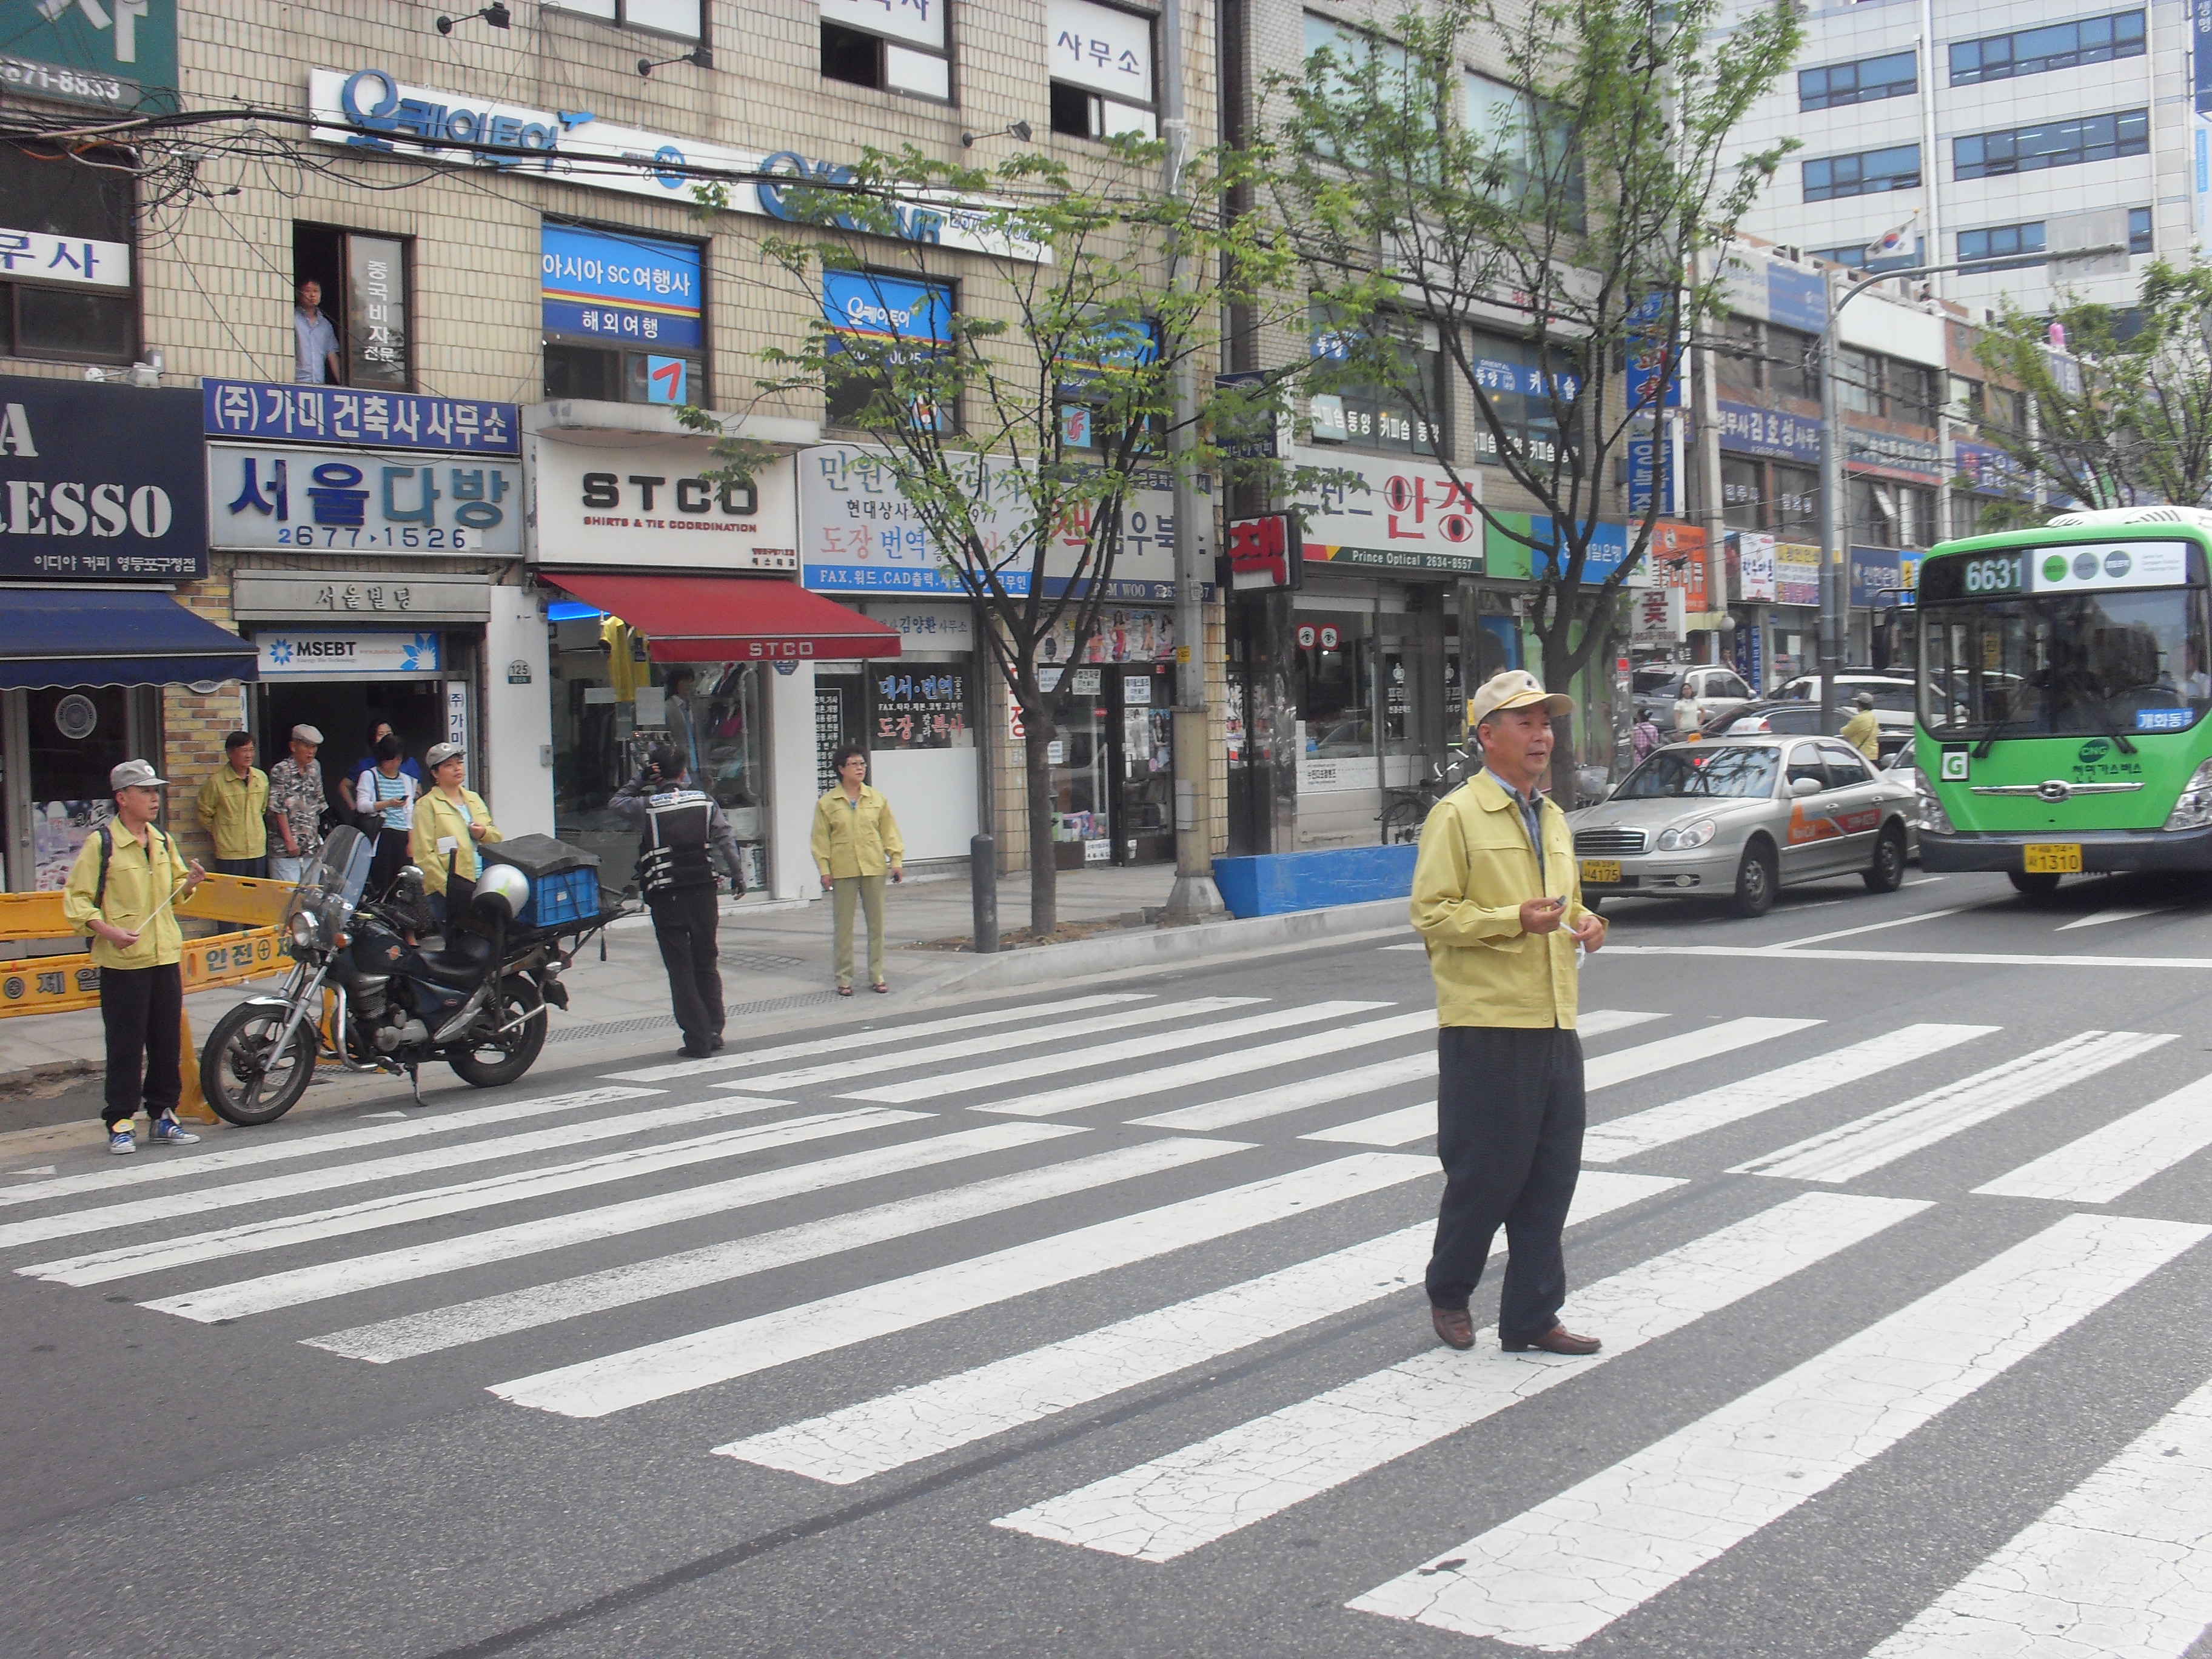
(2068, 664)
(1739, 774)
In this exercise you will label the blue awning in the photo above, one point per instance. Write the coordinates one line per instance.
(93, 636)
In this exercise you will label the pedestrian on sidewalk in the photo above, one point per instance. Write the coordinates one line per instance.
(1497, 896)
(1860, 731)
(855, 843)
(296, 805)
(384, 795)
(122, 890)
(449, 821)
(679, 824)
(233, 809)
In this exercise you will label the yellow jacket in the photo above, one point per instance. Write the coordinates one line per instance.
(1473, 871)
(436, 819)
(235, 811)
(855, 838)
(138, 879)
(1862, 734)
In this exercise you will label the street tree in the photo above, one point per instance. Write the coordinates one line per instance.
(1562, 206)
(1015, 431)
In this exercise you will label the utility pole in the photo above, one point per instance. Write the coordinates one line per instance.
(1194, 897)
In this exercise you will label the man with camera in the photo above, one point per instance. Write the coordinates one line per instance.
(679, 825)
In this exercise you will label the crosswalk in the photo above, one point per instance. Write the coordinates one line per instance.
(831, 1261)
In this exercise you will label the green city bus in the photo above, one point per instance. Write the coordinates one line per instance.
(2063, 694)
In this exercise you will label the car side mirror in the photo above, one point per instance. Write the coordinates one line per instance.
(1801, 787)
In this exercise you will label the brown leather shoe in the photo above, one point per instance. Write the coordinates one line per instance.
(1558, 1340)
(1455, 1327)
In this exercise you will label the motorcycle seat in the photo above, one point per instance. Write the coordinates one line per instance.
(461, 963)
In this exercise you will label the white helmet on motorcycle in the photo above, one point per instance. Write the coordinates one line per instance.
(501, 887)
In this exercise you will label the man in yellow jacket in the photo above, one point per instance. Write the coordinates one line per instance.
(233, 808)
(450, 822)
(122, 890)
(855, 840)
(1498, 897)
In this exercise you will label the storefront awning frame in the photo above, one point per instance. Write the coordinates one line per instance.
(694, 617)
(103, 636)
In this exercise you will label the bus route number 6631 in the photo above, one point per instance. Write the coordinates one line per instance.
(1998, 576)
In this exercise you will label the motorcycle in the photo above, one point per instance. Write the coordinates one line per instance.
(360, 993)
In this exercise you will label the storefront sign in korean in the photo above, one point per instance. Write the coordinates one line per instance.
(1797, 574)
(626, 290)
(101, 483)
(86, 53)
(74, 259)
(1773, 433)
(1989, 471)
(1874, 571)
(292, 653)
(924, 708)
(651, 505)
(926, 627)
(1099, 48)
(1402, 515)
(1893, 453)
(341, 415)
(332, 596)
(267, 496)
(1755, 579)
(860, 535)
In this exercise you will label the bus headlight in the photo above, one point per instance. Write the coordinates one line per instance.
(1689, 835)
(1933, 818)
(2193, 811)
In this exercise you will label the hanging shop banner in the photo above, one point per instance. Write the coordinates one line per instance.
(635, 290)
(1746, 429)
(651, 504)
(1102, 48)
(373, 500)
(1889, 453)
(887, 307)
(1754, 558)
(1797, 574)
(101, 483)
(858, 534)
(1797, 298)
(1677, 559)
(1874, 571)
(77, 260)
(1400, 514)
(121, 55)
(290, 653)
(268, 413)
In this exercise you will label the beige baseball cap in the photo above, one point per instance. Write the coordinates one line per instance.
(307, 734)
(134, 775)
(1515, 688)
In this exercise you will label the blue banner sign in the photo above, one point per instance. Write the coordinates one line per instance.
(1746, 429)
(376, 420)
(603, 285)
(888, 307)
(1796, 298)
(1875, 571)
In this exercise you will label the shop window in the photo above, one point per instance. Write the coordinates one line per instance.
(1742, 505)
(681, 18)
(1380, 414)
(1089, 418)
(918, 706)
(1101, 60)
(1795, 503)
(67, 265)
(1336, 686)
(1506, 372)
(878, 322)
(1792, 370)
(353, 300)
(893, 45)
(624, 316)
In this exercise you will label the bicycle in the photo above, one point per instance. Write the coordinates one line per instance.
(1407, 809)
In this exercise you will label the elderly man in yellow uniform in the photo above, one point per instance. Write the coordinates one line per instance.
(123, 891)
(1498, 897)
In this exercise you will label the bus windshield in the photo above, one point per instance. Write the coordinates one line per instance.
(2065, 665)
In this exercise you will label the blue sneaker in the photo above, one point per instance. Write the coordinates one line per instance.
(170, 1133)
(121, 1141)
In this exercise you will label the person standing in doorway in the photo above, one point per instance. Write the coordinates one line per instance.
(233, 809)
(373, 755)
(296, 805)
(856, 843)
(122, 890)
(679, 826)
(1497, 898)
(315, 343)
(450, 822)
(384, 795)
(683, 721)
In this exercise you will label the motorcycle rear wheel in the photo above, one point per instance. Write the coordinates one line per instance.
(244, 1080)
(491, 1063)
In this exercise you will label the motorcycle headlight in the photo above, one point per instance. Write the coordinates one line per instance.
(1929, 809)
(2193, 811)
(1689, 835)
(306, 928)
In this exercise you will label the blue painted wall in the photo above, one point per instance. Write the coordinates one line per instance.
(1278, 882)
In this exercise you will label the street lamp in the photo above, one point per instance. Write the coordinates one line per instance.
(1834, 594)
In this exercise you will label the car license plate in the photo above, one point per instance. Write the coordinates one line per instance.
(2051, 858)
(1606, 871)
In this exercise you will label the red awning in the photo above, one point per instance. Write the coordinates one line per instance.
(733, 618)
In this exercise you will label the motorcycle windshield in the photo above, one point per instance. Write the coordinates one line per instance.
(340, 872)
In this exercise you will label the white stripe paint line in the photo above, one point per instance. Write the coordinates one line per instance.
(1417, 944)
(887, 1432)
(1625, 1065)
(716, 1264)
(1560, 1572)
(1930, 958)
(1603, 1022)
(1399, 1128)
(401, 1209)
(1237, 1063)
(1107, 1053)
(1323, 1090)
(996, 1042)
(872, 1037)
(702, 1358)
(1732, 1103)
(2121, 1567)
(174, 1167)
(1869, 927)
(168, 1206)
(2098, 918)
(2120, 1157)
(1850, 1150)
(1174, 1503)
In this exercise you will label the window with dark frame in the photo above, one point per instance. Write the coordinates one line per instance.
(2052, 46)
(1791, 371)
(366, 280)
(69, 285)
(1870, 173)
(1369, 414)
(1102, 71)
(1866, 81)
(682, 19)
(1743, 505)
(1737, 346)
(624, 316)
(892, 46)
(2073, 142)
(901, 308)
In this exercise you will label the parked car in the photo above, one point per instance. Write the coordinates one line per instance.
(1693, 696)
(1894, 700)
(1738, 819)
(1774, 717)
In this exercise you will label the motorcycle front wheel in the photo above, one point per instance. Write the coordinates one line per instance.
(490, 1061)
(244, 1079)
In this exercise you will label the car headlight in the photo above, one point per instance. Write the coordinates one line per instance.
(1689, 835)
(2193, 811)
(1928, 807)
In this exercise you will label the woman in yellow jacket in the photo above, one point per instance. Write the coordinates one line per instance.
(855, 840)
(449, 822)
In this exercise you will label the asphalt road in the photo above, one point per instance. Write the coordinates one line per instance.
(1093, 1327)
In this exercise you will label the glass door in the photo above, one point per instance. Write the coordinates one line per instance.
(1144, 763)
(1081, 775)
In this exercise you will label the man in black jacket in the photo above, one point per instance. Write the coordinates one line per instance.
(678, 826)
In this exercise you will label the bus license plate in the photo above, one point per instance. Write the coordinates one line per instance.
(1604, 872)
(2051, 858)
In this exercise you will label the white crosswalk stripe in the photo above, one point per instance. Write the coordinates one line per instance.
(2119, 1158)
(1660, 1515)
(1626, 1064)
(1399, 1128)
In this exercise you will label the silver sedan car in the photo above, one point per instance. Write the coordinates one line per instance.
(1739, 818)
